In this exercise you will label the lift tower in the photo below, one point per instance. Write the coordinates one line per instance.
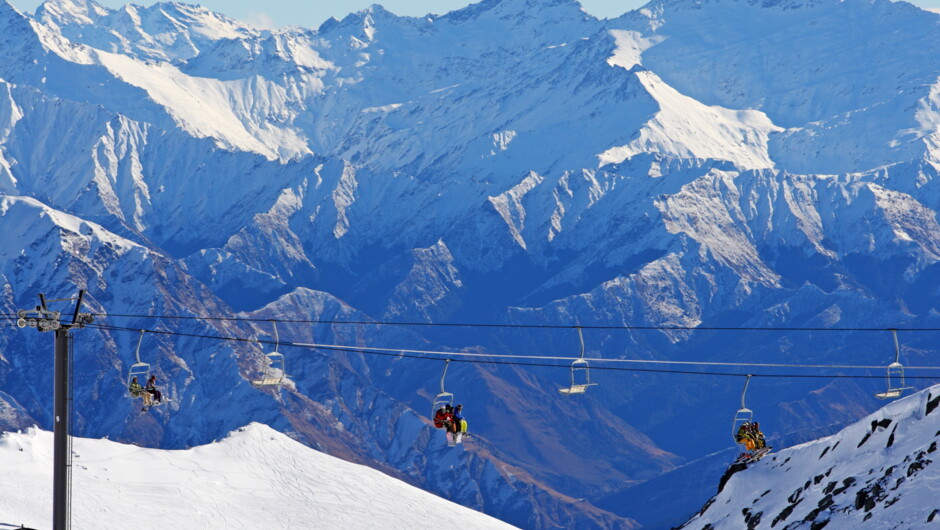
(42, 319)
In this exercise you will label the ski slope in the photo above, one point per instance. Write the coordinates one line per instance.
(254, 478)
(713, 164)
(876, 473)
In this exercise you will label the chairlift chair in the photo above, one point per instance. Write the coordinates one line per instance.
(140, 370)
(444, 397)
(895, 372)
(274, 366)
(743, 416)
(580, 373)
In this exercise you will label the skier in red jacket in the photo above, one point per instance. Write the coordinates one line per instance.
(443, 418)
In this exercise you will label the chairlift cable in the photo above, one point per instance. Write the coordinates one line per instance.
(398, 351)
(413, 354)
(626, 327)
(606, 360)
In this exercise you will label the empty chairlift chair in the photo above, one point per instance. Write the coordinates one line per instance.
(580, 373)
(274, 367)
(895, 374)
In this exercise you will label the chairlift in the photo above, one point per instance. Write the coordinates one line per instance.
(139, 370)
(444, 397)
(895, 372)
(580, 373)
(743, 416)
(274, 368)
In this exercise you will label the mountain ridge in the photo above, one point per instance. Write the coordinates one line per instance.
(899, 438)
(265, 467)
(638, 175)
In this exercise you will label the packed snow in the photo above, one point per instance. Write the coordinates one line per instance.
(254, 478)
(877, 471)
(720, 163)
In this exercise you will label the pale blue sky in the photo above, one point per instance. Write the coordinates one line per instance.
(312, 13)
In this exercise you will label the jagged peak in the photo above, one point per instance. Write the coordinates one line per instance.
(532, 9)
(784, 5)
(16, 31)
(328, 24)
(27, 211)
(370, 14)
(508, 7)
(7, 7)
(668, 5)
(194, 12)
(367, 17)
(71, 11)
(8, 14)
(162, 31)
(364, 24)
(88, 12)
(378, 10)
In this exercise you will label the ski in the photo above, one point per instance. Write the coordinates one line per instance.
(753, 456)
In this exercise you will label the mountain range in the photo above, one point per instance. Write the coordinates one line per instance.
(722, 181)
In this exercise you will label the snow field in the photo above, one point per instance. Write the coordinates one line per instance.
(255, 478)
(876, 472)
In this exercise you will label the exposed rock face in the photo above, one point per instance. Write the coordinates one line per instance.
(690, 164)
(877, 471)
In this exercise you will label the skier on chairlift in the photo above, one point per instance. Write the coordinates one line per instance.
(750, 435)
(759, 436)
(151, 388)
(443, 418)
(460, 423)
(137, 391)
(744, 436)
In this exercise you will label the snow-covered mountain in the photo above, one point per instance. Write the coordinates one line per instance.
(255, 477)
(717, 164)
(162, 32)
(877, 471)
(331, 403)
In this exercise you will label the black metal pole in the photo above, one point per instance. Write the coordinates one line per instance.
(60, 482)
(46, 320)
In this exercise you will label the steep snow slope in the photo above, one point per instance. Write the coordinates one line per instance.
(684, 128)
(130, 175)
(149, 90)
(255, 477)
(458, 177)
(163, 31)
(876, 473)
(373, 81)
(796, 61)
